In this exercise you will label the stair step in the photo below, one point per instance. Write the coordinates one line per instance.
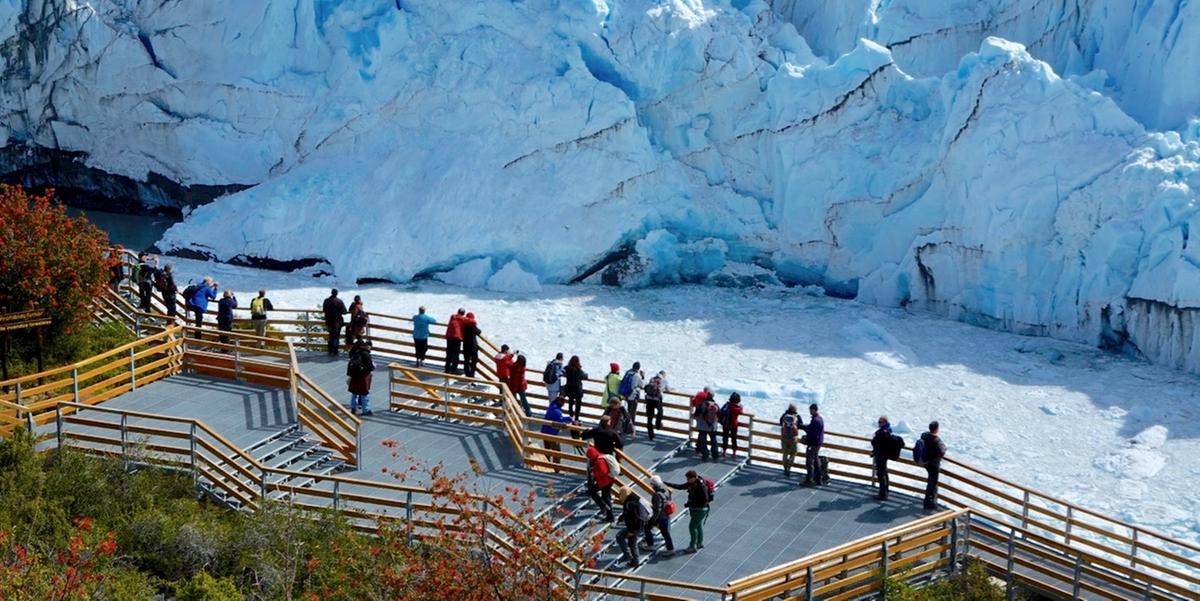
(268, 449)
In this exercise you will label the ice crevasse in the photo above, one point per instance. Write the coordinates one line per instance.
(908, 152)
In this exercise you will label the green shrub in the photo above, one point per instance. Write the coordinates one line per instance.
(971, 583)
(203, 587)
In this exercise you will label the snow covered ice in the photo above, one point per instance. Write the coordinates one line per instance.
(910, 152)
(1123, 438)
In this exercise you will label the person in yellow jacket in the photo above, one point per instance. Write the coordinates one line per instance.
(612, 383)
(258, 313)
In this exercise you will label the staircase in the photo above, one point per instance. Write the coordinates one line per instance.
(288, 449)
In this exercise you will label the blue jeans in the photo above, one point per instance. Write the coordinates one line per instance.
(524, 403)
(360, 399)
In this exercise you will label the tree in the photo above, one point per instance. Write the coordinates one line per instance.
(48, 259)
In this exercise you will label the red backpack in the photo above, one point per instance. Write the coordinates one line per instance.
(711, 412)
(711, 487)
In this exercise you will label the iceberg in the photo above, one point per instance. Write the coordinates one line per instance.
(1019, 164)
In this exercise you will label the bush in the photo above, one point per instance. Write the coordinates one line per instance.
(203, 587)
(971, 583)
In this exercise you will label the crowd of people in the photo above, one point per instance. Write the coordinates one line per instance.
(624, 393)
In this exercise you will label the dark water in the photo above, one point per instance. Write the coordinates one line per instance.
(135, 232)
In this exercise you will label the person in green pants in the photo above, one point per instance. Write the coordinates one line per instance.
(698, 500)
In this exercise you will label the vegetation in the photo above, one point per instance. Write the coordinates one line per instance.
(971, 583)
(88, 341)
(78, 527)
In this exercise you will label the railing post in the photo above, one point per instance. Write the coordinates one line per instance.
(192, 451)
(1149, 594)
(1070, 519)
(1133, 548)
(124, 437)
(262, 486)
(642, 590)
(17, 399)
(58, 423)
(750, 440)
(29, 425)
(237, 360)
(132, 370)
(808, 584)
(446, 399)
(1075, 578)
(1008, 569)
(408, 515)
(336, 494)
(883, 562)
(137, 325)
(1025, 511)
(358, 447)
(953, 545)
(75, 383)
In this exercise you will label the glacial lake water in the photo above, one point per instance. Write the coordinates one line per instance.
(135, 232)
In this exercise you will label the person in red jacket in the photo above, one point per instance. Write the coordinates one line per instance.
(698, 402)
(730, 414)
(454, 338)
(504, 361)
(600, 482)
(517, 383)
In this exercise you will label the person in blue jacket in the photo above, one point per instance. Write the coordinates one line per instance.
(225, 308)
(421, 322)
(554, 413)
(198, 303)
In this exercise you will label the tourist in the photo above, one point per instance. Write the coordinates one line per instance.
(653, 399)
(631, 387)
(814, 437)
(697, 402)
(358, 377)
(697, 504)
(454, 340)
(605, 438)
(554, 414)
(421, 322)
(790, 424)
(167, 287)
(503, 361)
(933, 450)
(470, 344)
(334, 309)
(116, 268)
(259, 306)
(883, 447)
(612, 383)
(147, 268)
(730, 413)
(352, 324)
(517, 383)
(635, 515)
(574, 376)
(225, 308)
(198, 302)
(707, 418)
(660, 515)
(552, 376)
(617, 418)
(600, 482)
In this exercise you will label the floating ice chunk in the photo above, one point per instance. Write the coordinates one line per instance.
(472, 274)
(511, 278)
(877, 345)
(1140, 460)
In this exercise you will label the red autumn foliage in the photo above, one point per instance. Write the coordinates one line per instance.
(48, 259)
(77, 572)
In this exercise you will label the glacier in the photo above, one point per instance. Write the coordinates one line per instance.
(1027, 165)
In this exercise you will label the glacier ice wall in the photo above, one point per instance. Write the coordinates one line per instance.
(897, 152)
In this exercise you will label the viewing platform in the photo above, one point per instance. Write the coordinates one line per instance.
(256, 419)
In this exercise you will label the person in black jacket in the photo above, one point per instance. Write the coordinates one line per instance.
(882, 449)
(632, 522)
(935, 450)
(575, 376)
(658, 516)
(470, 345)
(605, 438)
(697, 504)
(166, 285)
(334, 309)
(147, 269)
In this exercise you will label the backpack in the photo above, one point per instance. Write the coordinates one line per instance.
(711, 487)
(653, 388)
(190, 292)
(360, 364)
(550, 376)
(626, 387)
(711, 412)
(897, 446)
(919, 452)
(669, 508)
(160, 280)
(614, 468)
(723, 414)
(643, 511)
(787, 425)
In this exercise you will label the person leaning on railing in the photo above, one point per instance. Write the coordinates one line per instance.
(225, 308)
(790, 424)
(421, 322)
(554, 414)
(259, 306)
(165, 282)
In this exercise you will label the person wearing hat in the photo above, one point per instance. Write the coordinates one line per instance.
(659, 518)
(503, 361)
(634, 517)
(612, 382)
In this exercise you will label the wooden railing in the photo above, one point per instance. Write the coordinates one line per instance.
(31, 400)
(192, 446)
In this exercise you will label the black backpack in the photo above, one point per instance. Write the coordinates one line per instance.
(360, 364)
(897, 447)
(550, 376)
(189, 292)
